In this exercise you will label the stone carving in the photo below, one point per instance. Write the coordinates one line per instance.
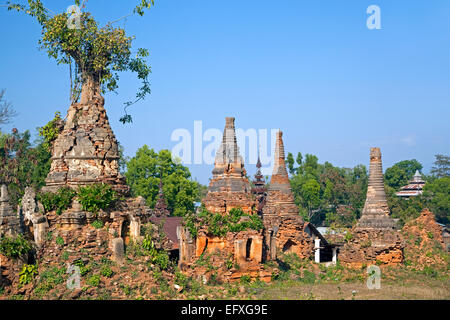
(9, 220)
(33, 217)
(259, 188)
(86, 150)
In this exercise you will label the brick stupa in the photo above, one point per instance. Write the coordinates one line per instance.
(229, 187)
(374, 239)
(285, 229)
(86, 150)
(376, 210)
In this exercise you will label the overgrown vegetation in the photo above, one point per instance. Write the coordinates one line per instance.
(96, 197)
(29, 271)
(51, 130)
(14, 247)
(92, 198)
(219, 225)
(59, 201)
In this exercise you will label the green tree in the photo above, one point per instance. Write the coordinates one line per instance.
(311, 196)
(441, 166)
(400, 173)
(437, 194)
(144, 172)
(22, 164)
(97, 54)
(290, 163)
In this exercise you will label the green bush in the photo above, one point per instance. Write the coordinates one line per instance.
(51, 130)
(96, 197)
(97, 224)
(14, 247)
(59, 241)
(27, 274)
(94, 280)
(219, 225)
(106, 272)
(58, 201)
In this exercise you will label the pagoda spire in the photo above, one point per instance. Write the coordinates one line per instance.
(259, 186)
(161, 209)
(280, 199)
(229, 187)
(376, 210)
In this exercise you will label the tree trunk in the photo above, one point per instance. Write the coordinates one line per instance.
(90, 88)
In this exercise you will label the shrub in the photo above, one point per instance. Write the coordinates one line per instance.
(245, 279)
(96, 197)
(106, 272)
(58, 201)
(51, 130)
(27, 274)
(59, 241)
(94, 280)
(97, 224)
(219, 225)
(14, 247)
(181, 279)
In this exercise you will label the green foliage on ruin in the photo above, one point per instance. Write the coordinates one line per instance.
(96, 197)
(216, 224)
(27, 274)
(97, 224)
(51, 130)
(59, 201)
(14, 247)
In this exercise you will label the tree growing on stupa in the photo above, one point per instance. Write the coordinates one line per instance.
(96, 55)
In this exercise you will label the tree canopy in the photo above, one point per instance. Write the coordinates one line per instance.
(441, 166)
(401, 173)
(97, 54)
(147, 168)
(325, 193)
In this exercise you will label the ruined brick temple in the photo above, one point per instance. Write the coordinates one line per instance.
(86, 152)
(374, 239)
(284, 230)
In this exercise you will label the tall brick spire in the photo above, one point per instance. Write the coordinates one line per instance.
(280, 200)
(228, 159)
(229, 187)
(376, 210)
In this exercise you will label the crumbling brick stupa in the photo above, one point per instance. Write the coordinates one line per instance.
(374, 239)
(85, 153)
(86, 150)
(285, 230)
(229, 188)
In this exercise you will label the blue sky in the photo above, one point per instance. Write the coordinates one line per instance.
(311, 68)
